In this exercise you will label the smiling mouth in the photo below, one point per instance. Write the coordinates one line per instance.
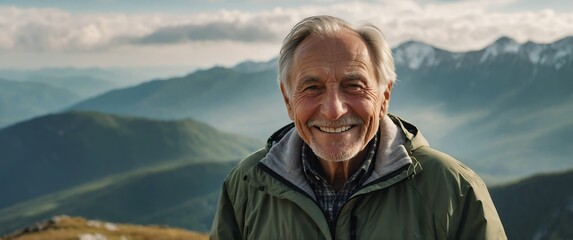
(334, 130)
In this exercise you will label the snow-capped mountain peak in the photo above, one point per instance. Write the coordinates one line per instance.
(552, 54)
(414, 54)
(501, 46)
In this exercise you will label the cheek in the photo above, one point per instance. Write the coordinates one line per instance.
(369, 106)
(371, 115)
(302, 109)
(370, 111)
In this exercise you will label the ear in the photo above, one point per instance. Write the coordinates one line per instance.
(287, 102)
(386, 100)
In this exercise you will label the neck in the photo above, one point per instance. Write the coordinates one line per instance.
(337, 173)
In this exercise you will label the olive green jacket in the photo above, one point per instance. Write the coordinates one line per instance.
(415, 192)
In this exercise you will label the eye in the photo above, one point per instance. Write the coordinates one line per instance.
(353, 82)
(309, 84)
(311, 88)
(353, 87)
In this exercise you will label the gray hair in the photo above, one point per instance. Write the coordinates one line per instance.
(328, 27)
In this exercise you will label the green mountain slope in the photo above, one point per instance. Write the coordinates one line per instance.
(23, 100)
(58, 151)
(232, 100)
(179, 194)
(539, 207)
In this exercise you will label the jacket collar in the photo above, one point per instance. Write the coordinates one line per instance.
(398, 140)
(414, 138)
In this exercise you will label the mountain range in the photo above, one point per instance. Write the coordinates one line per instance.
(236, 100)
(23, 100)
(133, 154)
(505, 110)
(58, 151)
(25, 94)
(116, 76)
(499, 109)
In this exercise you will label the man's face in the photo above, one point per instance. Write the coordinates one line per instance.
(335, 101)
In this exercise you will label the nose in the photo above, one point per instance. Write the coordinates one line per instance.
(333, 105)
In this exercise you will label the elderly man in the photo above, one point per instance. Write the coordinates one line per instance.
(346, 169)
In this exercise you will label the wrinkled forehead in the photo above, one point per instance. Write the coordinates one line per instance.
(343, 47)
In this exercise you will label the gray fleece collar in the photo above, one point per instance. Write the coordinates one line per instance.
(284, 157)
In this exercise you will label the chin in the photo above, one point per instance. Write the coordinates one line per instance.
(337, 155)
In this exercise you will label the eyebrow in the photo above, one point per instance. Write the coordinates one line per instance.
(308, 80)
(353, 76)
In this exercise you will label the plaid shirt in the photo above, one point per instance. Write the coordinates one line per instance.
(330, 200)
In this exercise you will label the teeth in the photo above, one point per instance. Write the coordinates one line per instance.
(335, 130)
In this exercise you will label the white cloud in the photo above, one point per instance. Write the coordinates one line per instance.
(215, 31)
(194, 55)
(53, 29)
(458, 25)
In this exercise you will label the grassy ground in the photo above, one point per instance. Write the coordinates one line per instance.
(74, 228)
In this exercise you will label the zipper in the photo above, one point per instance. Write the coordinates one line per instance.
(391, 175)
(331, 224)
(353, 223)
(353, 227)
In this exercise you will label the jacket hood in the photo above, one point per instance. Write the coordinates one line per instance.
(397, 140)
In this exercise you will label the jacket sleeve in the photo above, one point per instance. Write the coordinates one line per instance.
(477, 217)
(225, 224)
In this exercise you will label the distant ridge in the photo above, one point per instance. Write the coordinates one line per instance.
(244, 99)
(252, 66)
(56, 151)
(416, 54)
(538, 207)
(24, 100)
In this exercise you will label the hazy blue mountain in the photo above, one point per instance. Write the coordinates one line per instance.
(54, 152)
(63, 72)
(252, 66)
(235, 100)
(24, 100)
(80, 83)
(182, 194)
(502, 109)
(84, 86)
(118, 76)
(505, 109)
(539, 207)
(498, 76)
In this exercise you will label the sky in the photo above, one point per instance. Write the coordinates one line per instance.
(146, 33)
